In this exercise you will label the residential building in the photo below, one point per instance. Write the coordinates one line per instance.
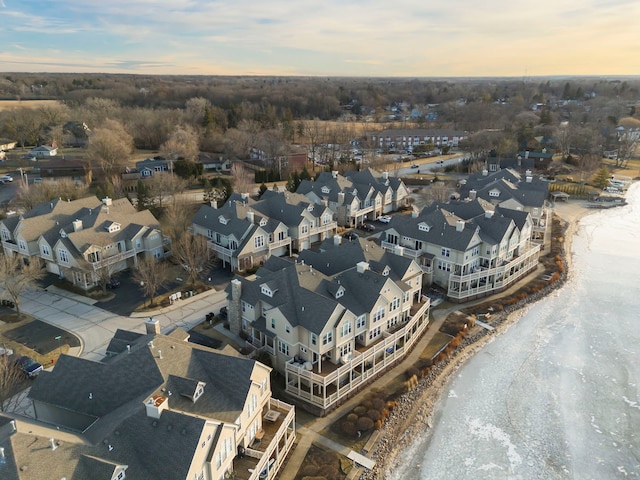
(149, 166)
(77, 171)
(512, 190)
(239, 235)
(333, 320)
(160, 407)
(356, 196)
(44, 151)
(401, 138)
(85, 240)
(469, 248)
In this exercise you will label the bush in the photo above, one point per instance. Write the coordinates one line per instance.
(378, 403)
(373, 415)
(365, 423)
(349, 429)
(377, 425)
(352, 417)
(360, 410)
(412, 371)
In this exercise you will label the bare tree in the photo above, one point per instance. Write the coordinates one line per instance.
(193, 254)
(164, 187)
(32, 195)
(151, 275)
(183, 142)
(242, 178)
(176, 221)
(110, 146)
(18, 273)
(10, 379)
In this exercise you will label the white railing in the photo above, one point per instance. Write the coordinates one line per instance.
(362, 367)
(113, 259)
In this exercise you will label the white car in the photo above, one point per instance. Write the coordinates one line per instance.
(384, 218)
(6, 178)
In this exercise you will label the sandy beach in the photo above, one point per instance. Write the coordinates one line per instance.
(414, 411)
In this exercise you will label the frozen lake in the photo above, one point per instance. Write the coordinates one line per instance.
(556, 396)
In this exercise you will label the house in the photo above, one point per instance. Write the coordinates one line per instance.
(149, 166)
(161, 408)
(333, 320)
(401, 138)
(85, 240)
(240, 236)
(78, 171)
(356, 196)
(210, 164)
(6, 144)
(469, 248)
(515, 191)
(43, 151)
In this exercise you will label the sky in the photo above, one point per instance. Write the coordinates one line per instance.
(415, 38)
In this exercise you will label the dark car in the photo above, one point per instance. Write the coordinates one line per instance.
(350, 236)
(367, 227)
(29, 366)
(113, 283)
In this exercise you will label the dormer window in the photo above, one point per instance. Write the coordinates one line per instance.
(263, 222)
(423, 227)
(266, 290)
(325, 189)
(494, 193)
(340, 292)
(199, 391)
(386, 271)
(113, 227)
(310, 207)
(222, 220)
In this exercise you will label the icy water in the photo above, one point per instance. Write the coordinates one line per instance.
(556, 396)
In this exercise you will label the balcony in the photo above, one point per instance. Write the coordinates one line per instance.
(272, 442)
(118, 257)
(334, 382)
(220, 250)
(279, 243)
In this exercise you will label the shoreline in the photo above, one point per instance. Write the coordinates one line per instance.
(415, 409)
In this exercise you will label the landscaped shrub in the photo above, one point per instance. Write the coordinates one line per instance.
(352, 417)
(349, 429)
(378, 403)
(367, 403)
(384, 413)
(365, 423)
(373, 414)
(391, 405)
(360, 410)
(412, 371)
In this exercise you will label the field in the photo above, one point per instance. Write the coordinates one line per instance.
(11, 104)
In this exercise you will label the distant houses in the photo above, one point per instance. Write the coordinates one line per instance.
(44, 151)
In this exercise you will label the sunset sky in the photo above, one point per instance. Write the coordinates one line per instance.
(335, 38)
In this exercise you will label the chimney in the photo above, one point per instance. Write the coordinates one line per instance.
(250, 216)
(362, 267)
(107, 201)
(235, 310)
(77, 225)
(485, 172)
(528, 176)
(526, 154)
(414, 213)
(128, 348)
(2, 457)
(337, 240)
(160, 354)
(473, 194)
(214, 204)
(244, 196)
(385, 175)
(488, 214)
(155, 405)
(459, 225)
(340, 198)
(152, 326)
(334, 173)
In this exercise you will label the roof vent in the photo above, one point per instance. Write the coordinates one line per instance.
(110, 447)
(160, 354)
(52, 442)
(90, 396)
(128, 348)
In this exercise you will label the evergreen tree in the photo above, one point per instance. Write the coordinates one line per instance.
(263, 188)
(305, 175)
(142, 195)
(602, 177)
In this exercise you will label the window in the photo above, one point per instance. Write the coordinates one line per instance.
(345, 349)
(271, 238)
(138, 243)
(258, 242)
(346, 329)
(223, 453)
(287, 328)
(314, 339)
(391, 322)
(22, 244)
(395, 304)
(361, 322)
(326, 219)
(446, 252)
(374, 333)
(120, 475)
(379, 314)
(45, 250)
(63, 255)
(273, 323)
(445, 266)
(304, 229)
(253, 404)
(476, 251)
(327, 338)
(283, 348)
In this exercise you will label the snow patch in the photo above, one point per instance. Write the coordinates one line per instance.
(631, 403)
(487, 431)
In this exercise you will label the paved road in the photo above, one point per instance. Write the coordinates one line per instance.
(95, 327)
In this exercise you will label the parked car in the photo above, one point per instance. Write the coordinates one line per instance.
(6, 178)
(384, 218)
(367, 227)
(415, 165)
(188, 268)
(350, 236)
(113, 283)
(29, 366)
